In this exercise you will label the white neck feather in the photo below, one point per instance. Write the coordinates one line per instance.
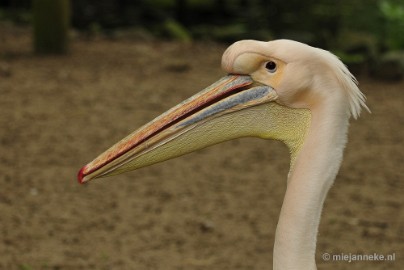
(309, 180)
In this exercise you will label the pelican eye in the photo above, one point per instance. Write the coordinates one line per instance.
(271, 66)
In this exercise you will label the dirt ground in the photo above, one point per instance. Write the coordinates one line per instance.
(213, 209)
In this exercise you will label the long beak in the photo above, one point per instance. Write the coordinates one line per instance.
(193, 124)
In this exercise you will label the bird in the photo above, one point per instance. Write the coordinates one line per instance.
(280, 89)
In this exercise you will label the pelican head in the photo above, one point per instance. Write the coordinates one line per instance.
(302, 76)
(282, 90)
(272, 91)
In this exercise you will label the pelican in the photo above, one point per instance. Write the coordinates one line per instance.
(282, 90)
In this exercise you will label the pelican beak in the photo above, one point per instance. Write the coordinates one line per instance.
(202, 120)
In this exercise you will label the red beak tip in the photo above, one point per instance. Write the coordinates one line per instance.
(80, 176)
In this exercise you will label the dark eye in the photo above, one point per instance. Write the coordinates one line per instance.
(271, 66)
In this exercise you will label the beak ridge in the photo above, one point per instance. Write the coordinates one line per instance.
(231, 93)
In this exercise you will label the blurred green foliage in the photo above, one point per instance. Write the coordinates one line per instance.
(360, 32)
(321, 23)
(393, 12)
